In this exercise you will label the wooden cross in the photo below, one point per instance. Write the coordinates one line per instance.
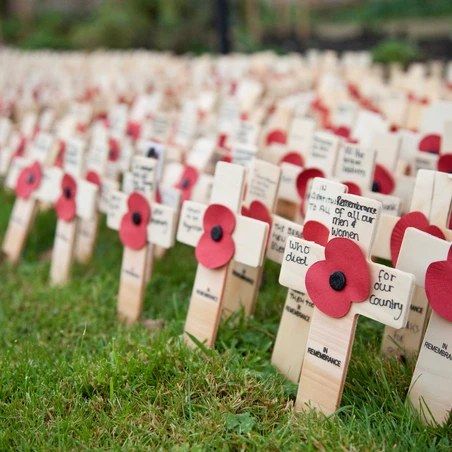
(289, 348)
(430, 260)
(220, 234)
(320, 162)
(76, 200)
(243, 281)
(141, 223)
(342, 283)
(32, 180)
(432, 197)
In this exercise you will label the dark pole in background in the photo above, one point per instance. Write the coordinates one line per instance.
(223, 26)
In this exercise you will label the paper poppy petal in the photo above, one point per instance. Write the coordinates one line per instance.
(415, 220)
(430, 143)
(65, 208)
(214, 254)
(330, 302)
(352, 188)
(276, 136)
(219, 215)
(438, 287)
(445, 163)
(293, 157)
(187, 180)
(303, 179)
(93, 177)
(342, 131)
(131, 235)
(138, 203)
(383, 180)
(258, 211)
(114, 150)
(314, 231)
(29, 180)
(134, 129)
(346, 256)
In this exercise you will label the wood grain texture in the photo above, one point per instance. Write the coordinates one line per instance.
(132, 284)
(20, 223)
(63, 251)
(204, 311)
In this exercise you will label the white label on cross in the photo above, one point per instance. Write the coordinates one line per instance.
(355, 165)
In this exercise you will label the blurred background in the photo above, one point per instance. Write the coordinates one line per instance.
(395, 30)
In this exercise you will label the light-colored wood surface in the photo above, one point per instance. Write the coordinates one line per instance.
(132, 284)
(20, 223)
(326, 362)
(405, 342)
(86, 239)
(431, 389)
(204, 311)
(290, 344)
(63, 251)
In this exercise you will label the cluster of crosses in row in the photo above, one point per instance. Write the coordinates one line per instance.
(325, 263)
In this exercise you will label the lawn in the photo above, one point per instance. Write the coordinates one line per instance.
(73, 377)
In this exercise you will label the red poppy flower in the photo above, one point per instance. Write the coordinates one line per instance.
(221, 141)
(415, 220)
(314, 231)
(276, 136)
(445, 163)
(93, 177)
(354, 91)
(438, 286)
(383, 181)
(29, 180)
(59, 161)
(336, 282)
(66, 204)
(134, 129)
(216, 246)
(114, 150)
(258, 210)
(293, 157)
(342, 131)
(430, 143)
(133, 228)
(303, 180)
(20, 149)
(352, 188)
(187, 182)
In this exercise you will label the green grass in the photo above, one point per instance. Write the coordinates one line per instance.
(72, 377)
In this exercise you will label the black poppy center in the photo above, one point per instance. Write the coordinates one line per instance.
(216, 233)
(152, 153)
(376, 187)
(31, 179)
(337, 281)
(136, 218)
(67, 193)
(185, 183)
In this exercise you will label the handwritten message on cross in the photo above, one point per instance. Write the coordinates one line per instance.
(220, 234)
(429, 212)
(342, 283)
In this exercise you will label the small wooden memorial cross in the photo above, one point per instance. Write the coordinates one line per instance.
(430, 260)
(141, 223)
(76, 200)
(219, 234)
(30, 178)
(243, 281)
(289, 348)
(430, 211)
(342, 283)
